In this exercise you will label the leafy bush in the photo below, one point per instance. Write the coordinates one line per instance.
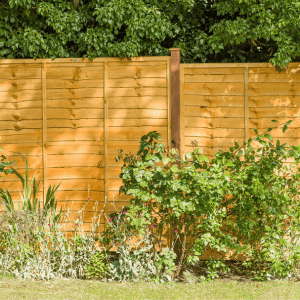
(245, 190)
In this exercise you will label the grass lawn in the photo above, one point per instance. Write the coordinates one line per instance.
(12, 288)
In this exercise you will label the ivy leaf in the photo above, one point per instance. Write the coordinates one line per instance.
(255, 130)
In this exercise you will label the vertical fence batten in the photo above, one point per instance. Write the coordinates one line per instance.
(44, 97)
(105, 95)
(246, 105)
(175, 97)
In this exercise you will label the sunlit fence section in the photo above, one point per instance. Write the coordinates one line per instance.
(70, 116)
(223, 103)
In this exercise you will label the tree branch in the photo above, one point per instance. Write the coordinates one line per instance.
(75, 4)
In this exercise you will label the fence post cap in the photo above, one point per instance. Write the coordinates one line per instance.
(175, 49)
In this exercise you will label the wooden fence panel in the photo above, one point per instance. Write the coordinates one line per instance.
(223, 103)
(21, 120)
(71, 116)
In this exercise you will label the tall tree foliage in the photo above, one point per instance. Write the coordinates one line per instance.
(206, 30)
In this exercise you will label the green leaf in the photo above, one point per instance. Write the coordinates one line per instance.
(284, 128)
(174, 168)
(165, 160)
(268, 228)
(157, 136)
(274, 120)
(255, 130)
(268, 136)
(144, 138)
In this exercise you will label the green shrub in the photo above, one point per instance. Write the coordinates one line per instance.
(189, 196)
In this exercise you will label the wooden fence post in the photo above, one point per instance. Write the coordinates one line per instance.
(175, 97)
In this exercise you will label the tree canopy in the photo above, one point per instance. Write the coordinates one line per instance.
(206, 30)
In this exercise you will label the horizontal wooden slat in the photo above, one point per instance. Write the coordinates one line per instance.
(19, 85)
(213, 112)
(75, 147)
(75, 123)
(137, 113)
(266, 123)
(114, 172)
(214, 78)
(73, 84)
(78, 134)
(75, 73)
(280, 88)
(188, 70)
(29, 148)
(114, 196)
(75, 160)
(138, 102)
(275, 77)
(16, 96)
(133, 133)
(214, 101)
(84, 205)
(211, 122)
(80, 113)
(293, 68)
(79, 195)
(76, 103)
(137, 122)
(54, 94)
(114, 184)
(213, 142)
(214, 133)
(15, 72)
(136, 92)
(37, 173)
(214, 88)
(137, 71)
(78, 184)
(274, 112)
(137, 82)
(76, 173)
(25, 104)
(23, 136)
(21, 125)
(21, 114)
(274, 101)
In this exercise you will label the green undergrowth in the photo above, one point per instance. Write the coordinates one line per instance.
(249, 190)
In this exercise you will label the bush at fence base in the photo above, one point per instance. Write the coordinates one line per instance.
(188, 197)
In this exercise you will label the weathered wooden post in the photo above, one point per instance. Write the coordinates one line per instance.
(175, 97)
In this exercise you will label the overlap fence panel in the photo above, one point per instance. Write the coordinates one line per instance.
(223, 103)
(70, 116)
